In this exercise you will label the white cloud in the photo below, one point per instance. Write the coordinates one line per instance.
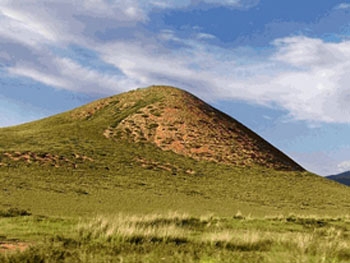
(32, 23)
(343, 6)
(205, 36)
(120, 9)
(176, 4)
(233, 3)
(344, 166)
(306, 76)
(308, 52)
(43, 77)
(36, 24)
(317, 87)
(91, 81)
(153, 65)
(64, 73)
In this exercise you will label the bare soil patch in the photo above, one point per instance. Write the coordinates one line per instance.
(13, 246)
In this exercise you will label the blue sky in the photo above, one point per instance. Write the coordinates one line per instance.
(279, 67)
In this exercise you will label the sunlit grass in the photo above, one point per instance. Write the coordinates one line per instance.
(177, 237)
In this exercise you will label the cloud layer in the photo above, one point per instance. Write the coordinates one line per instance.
(306, 76)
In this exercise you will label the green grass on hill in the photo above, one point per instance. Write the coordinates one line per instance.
(59, 173)
(63, 165)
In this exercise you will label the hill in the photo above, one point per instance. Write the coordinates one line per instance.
(154, 150)
(175, 120)
(343, 178)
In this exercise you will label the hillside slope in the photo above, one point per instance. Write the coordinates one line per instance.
(154, 149)
(175, 120)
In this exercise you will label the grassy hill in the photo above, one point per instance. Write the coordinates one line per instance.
(154, 149)
(71, 185)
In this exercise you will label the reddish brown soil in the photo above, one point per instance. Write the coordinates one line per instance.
(184, 124)
(43, 159)
(8, 247)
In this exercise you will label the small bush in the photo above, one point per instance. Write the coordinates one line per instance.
(238, 216)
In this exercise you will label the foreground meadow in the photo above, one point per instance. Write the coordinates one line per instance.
(173, 238)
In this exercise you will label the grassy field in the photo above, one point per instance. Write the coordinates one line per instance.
(131, 188)
(177, 238)
(60, 174)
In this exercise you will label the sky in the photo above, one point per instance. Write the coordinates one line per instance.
(279, 67)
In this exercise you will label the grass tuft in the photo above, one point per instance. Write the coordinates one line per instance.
(14, 212)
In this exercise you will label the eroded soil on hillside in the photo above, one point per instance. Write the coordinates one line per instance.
(186, 125)
(6, 158)
(13, 246)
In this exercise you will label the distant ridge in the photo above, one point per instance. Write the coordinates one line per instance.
(343, 178)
